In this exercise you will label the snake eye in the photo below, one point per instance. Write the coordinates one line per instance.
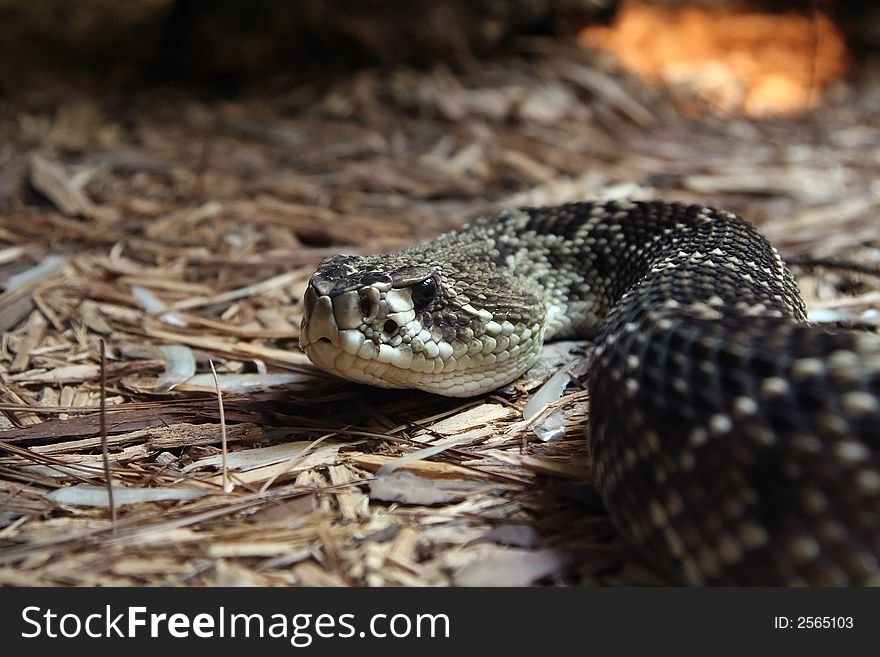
(424, 293)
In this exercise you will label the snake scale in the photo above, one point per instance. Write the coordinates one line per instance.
(731, 442)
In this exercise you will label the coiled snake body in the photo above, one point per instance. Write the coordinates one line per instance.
(731, 441)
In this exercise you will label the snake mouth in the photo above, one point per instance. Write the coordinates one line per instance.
(334, 350)
(373, 336)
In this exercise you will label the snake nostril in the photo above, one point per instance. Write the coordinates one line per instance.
(390, 326)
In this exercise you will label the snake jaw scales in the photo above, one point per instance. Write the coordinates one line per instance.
(732, 443)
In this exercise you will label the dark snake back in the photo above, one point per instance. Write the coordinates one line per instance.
(731, 442)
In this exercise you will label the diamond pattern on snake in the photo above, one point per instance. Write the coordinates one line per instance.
(732, 442)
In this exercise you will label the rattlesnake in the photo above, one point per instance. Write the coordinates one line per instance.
(731, 441)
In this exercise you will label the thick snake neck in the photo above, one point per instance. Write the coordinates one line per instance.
(582, 259)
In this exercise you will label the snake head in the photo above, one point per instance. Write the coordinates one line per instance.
(398, 321)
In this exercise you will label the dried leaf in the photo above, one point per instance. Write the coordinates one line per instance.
(407, 488)
(87, 495)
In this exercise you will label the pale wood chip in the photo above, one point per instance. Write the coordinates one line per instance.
(311, 574)
(430, 469)
(51, 179)
(353, 504)
(512, 567)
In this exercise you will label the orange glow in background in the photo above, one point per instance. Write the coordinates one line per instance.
(748, 62)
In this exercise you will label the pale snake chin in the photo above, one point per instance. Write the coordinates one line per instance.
(731, 441)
